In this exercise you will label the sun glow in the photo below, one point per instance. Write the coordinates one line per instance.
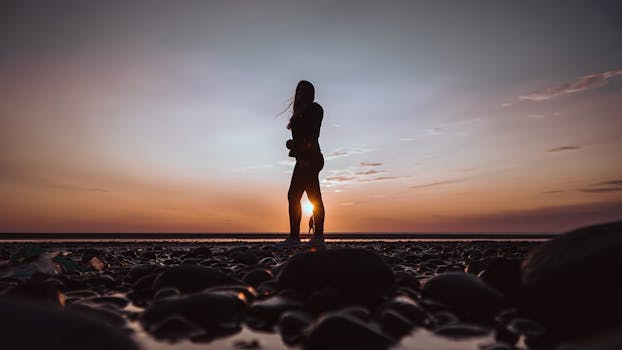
(307, 207)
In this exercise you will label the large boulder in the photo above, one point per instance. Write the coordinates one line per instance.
(360, 275)
(36, 326)
(571, 283)
(465, 294)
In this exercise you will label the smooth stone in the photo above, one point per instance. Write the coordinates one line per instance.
(30, 326)
(291, 325)
(188, 278)
(166, 292)
(575, 274)
(526, 327)
(247, 258)
(202, 252)
(208, 310)
(409, 309)
(264, 313)
(104, 314)
(256, 276)
(504, 275)
(175, 328)
(461, 331)
(465, 294)
(395, 324)
(341, 331)
(326, 299)
(119, 302)
(359, 274)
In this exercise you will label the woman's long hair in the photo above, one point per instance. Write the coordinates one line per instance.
(305, 94)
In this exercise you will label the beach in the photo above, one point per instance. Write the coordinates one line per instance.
(364, 294)
(148, 290)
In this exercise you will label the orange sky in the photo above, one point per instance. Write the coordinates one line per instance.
(120, 121)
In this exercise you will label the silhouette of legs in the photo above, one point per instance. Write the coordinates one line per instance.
(305, 178)
(315, 197)
(296, 189)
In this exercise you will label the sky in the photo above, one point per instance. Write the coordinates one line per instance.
(439, 116)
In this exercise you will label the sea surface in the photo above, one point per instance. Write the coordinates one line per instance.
(273, 237)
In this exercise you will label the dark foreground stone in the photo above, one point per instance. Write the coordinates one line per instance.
(571, 283)
(34, 326)
(464, 293)
(359, 274)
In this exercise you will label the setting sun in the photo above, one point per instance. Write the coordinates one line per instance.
(307, 207)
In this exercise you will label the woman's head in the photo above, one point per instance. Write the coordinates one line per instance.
(305, 94)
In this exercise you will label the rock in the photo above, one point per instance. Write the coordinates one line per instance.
(340, 331)
(465, 294)
(188, 278)
(210, 310)
(326, 299)
(359, 274)
(409, 309)
(575, 274)
(504, 275)
(202, 252)
(461, 331)
(291, 325)
(175, 328)
(257, 276)
(246, 257)
(30, 326)
(394, 323)
(263, 314)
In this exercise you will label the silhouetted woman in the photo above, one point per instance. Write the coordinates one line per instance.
(305, 125)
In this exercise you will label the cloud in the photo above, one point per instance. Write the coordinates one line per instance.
(563, 149)
(438, 183)
(370, 164)
(607, 183)
(599, 190)
(379, 178)
(368, 172)
(583, 83)
(346, 152)
(407, 139)
(553, 192)
(603, 187)
(339, 178)
(434, 131)
(358, 173)
(505, 105)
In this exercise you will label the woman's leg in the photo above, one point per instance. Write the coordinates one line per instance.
(315, 197)
(296, 189)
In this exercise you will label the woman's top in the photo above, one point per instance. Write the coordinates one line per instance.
(306, 131)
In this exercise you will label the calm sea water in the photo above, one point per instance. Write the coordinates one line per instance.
(271, 237)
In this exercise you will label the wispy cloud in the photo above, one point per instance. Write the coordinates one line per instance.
(379, 178)
(583, 83)
(604, 187)
(346, 152)
(407, 139)
(370, 164)
(363, 172)
(368, 172)
(609, 183)
(437, 183)
(563, 149)
(553, 192)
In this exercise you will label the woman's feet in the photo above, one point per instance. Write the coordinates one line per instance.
(289, 243)
(316, 241)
